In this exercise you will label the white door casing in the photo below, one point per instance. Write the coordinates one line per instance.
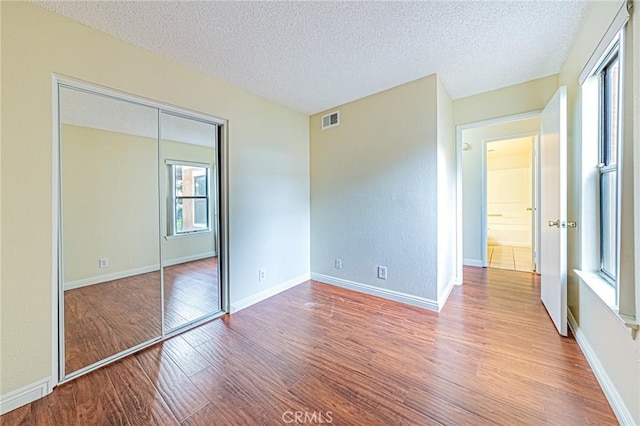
(553, 209)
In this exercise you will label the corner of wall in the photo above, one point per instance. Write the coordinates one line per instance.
(446, 193)
(374, 203)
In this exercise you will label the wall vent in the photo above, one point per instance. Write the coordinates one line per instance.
(331, 120)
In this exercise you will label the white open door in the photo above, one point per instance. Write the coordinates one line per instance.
(553, 209)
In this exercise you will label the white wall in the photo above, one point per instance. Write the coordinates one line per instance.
(268, 171)
(373, 193)
(472, 178)
(603, 335)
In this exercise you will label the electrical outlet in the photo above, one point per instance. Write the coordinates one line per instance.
(262, 275)
(103, 262)
(338, 263)
(382, 272)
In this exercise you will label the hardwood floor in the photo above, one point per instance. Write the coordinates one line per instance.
(492, 356)
(104, 319)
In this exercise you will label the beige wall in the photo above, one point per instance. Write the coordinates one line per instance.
(607, 336)
(110, 196)
(525, 97)
(373, 190)
(110, 202)
(268, 170)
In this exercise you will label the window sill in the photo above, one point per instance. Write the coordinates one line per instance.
(601, 288)
(188, 234)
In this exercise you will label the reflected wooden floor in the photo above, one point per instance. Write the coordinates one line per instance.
(104, 319)
(191, 291)
(492, 356)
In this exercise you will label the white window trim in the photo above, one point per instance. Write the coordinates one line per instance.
(590, 260)
(606, 44)
(172, 233)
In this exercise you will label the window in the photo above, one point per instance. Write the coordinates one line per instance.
(609, 134)
(188, 199)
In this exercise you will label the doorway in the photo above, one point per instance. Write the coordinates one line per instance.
(509, 229)
(480, 236)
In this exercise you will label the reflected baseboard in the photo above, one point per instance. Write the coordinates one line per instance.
(185, 259)
(110, 277)
(136, 271)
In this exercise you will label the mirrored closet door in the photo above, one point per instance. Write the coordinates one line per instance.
(110, 246)
(190, 244)
(139, 234)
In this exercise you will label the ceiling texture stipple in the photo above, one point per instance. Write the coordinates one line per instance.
(312, 56)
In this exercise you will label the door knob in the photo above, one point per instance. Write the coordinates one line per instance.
(553, 223)
(572, 224)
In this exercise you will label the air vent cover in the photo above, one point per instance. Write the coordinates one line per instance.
(331, 120)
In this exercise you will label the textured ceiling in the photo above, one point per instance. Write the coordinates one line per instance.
(312, 56)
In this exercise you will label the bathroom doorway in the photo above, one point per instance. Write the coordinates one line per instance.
(510, 200)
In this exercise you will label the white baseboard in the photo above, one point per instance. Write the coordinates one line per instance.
(136, 271)
(445, 293)
(472, 262)
(265, 294)
(109, 277)
(409, 299)
(185, 259)
(608, 388)
(25, 395)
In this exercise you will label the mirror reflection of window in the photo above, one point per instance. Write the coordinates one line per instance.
(190, 200)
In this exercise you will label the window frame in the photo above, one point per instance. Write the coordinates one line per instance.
(605, 165)
(173, 198)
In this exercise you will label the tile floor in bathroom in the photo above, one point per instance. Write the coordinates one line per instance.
(509, 257)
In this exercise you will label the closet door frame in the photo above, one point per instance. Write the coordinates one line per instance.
(58, 375)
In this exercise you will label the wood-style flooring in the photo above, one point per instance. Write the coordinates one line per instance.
(191, 291)
(107, 318)
(509, 257)
(492, 356)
